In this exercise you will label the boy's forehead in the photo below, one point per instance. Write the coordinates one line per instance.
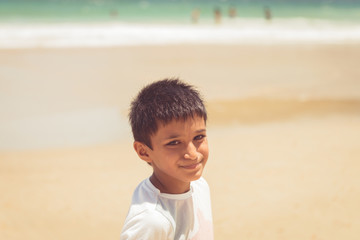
(178, 126)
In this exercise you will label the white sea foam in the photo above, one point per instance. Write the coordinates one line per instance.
(250, 31)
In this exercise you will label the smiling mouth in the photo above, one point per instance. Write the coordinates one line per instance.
(192, 166)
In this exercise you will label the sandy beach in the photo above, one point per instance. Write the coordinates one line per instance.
(284, 124)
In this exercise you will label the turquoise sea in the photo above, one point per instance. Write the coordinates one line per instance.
(172, 11)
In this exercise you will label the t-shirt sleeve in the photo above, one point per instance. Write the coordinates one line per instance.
(147, 225)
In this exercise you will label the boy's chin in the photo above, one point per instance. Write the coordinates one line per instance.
(197, 176)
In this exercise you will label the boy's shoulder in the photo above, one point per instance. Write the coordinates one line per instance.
(143, 218)
(144, 199)
(147, 224)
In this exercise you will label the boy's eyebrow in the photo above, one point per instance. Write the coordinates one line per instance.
(177, 135)
(201, 130)
(171, 137)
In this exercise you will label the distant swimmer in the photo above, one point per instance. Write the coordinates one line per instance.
(195, 15)
(267, 13)
(232, 12)
(217, 15)
(113, 13)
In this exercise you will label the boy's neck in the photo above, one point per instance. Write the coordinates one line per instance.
(169, 187)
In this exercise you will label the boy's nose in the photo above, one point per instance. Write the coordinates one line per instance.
(191, 152)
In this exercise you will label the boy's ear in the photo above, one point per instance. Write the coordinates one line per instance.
(142, 151)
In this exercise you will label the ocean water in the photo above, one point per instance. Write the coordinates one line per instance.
(94, 23)
(171, 11)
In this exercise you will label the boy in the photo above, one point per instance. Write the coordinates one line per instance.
(168, 121)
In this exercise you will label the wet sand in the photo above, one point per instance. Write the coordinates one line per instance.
(283, 153)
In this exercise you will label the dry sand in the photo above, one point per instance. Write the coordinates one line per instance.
(284, 154)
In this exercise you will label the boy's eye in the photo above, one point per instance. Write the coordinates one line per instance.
(173, 143)
(199, 137)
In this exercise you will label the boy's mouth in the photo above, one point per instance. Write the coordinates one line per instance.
(192, 166)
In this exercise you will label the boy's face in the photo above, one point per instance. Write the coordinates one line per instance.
(180, 152)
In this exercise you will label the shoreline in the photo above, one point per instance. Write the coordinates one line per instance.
(112, 34)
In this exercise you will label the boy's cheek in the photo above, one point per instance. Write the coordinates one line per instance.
(204, 150)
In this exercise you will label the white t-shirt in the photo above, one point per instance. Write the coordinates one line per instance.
(158, 216)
